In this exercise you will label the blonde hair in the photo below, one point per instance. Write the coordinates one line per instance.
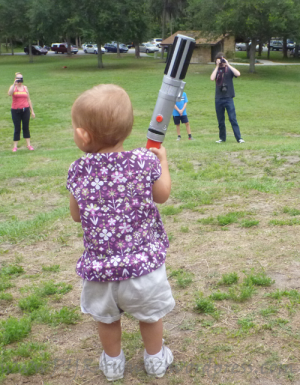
(18, 73)
(105, 111)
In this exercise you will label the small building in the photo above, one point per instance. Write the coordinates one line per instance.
(206, 47)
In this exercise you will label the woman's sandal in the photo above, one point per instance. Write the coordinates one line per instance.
(30, 148)
(14, 149)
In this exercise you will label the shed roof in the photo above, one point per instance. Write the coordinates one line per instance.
(200, 40)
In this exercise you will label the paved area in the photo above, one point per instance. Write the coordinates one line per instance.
(263, 62)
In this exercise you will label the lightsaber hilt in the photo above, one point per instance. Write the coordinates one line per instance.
(171, 89)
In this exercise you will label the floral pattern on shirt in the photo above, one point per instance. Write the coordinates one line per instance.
(123, 232)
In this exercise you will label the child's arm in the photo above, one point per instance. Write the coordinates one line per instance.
(183, 108)
(74, 209)
(161, 188)
(176, 108)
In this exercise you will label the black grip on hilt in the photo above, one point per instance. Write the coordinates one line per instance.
(180, 57)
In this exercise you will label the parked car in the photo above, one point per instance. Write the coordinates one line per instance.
(112, 47)
(93, 48)
(130, 45)
(36, 50)
(290, 44)
(148, 47)
(83, 46)
(243, 46)
(276, 45)
(156, 41)
(63, 48)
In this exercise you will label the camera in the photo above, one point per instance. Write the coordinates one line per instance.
(222, 60)
(19, 80)
(224, 87)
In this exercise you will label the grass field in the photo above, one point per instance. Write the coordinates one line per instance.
(232, 219)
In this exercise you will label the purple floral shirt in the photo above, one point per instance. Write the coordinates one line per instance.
(123, 232)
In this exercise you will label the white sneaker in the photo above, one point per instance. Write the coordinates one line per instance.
(178, 138)
(241, 141)
(158, 366)
(112, 369)
(220, 141)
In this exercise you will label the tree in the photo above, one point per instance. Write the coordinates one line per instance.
(14, 20)
(164, 10)
(255, 20)
(97, 23)
(136, 23)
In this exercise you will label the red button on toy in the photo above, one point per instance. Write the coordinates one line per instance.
(159, 118)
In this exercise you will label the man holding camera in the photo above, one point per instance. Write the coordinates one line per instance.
(223, 75)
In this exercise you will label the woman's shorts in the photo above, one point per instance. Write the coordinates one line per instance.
(182, 119)
(147, 298)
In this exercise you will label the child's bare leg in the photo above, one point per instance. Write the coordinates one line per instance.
(110, 337)
(188, 128)
(152, 334)
(178, 129)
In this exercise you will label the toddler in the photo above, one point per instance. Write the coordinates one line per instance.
(112, 194)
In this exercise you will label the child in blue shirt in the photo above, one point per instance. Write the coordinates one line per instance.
(180, 115)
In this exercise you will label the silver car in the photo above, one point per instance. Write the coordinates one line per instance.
(148, 47)
(93, 48)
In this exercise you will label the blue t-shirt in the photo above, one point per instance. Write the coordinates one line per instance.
(180, 105)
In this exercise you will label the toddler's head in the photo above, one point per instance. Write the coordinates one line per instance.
(105, 112)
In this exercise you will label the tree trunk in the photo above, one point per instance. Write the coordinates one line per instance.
(137, 49)
(118, 50)
(269, 50)
(260, 48)
(30, 51)
(100, 62)
(284, 48)
(163, 27)
(12, 47)
(69, 46)
(252, 55)
(76, 42)
(248, 50)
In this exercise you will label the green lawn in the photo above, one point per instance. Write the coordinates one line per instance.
(232, 219)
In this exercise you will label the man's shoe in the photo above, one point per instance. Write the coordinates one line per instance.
(112, 369)
(157, 367)
(178, 138)
(220, 141)
(241, 141)
(191, 138)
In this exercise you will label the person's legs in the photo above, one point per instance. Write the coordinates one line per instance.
(220, 111)
(16, 118)
(25, 127)
(178, 129)
(112, 359)
(110, 337)
(157, 356)
(232, 118)
(152, 334)
(188, 128)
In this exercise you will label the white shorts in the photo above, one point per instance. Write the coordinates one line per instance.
(147, 298)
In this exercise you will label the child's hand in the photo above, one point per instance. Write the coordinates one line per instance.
(161, 153)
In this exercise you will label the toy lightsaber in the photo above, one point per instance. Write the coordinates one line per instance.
(171, 89)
